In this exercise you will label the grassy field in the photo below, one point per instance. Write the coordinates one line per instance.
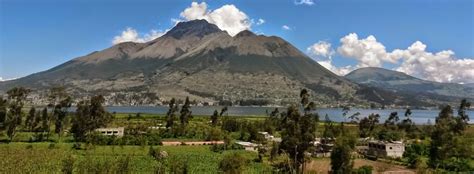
(40, 158)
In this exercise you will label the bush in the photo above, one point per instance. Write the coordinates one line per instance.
(178, 165)
(52, 146)
(123, 165)
(68, 165)
(233, 163)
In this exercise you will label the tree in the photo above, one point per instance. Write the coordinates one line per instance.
(31, 119)
(392, 120)
(45, 121)
(214, 118)
(449, 150)
(185, 113)
(90, 115)
(60, 101)
(233, 163)
(341, 159)
(462, 121)
(298, 131)
(3, 112)
(16, 97)
(367, 125)
(171, 114)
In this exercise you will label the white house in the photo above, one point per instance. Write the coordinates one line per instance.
(384, 149)
(248, 145)
(119, 131)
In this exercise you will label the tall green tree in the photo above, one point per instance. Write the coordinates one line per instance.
(45, 122)
(60, 101)
(367, 125)
(171, 114)
(341, 158)
(30, 119)
(90, 115)
(214, 118)
(16, 98)
(3, 112)
(449, 150)
(298, 131)
(185, 113)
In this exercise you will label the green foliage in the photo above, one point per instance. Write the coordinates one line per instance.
(171, 114)
(341, 155)
(298, 130)
(16, 99)
(90, 115)
(367, 125)
(448, 148)
(60, 101)
(68, 165)
(233, 163)
(3, 112)
(178, 165)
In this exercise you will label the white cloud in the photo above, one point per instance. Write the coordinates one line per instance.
(442, 66)
(285, 27)
(321, 48)
(260, 21)
(368, 52)
(322, 53)
(131, 35)
(3, 80)
(228, 17)
(304, 2)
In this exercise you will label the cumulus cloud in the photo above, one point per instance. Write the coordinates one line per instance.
(304, 2)
(131, 35)
(368, 52)
(322, 53)
(442, 66)
(285, 27)
(228, 17)
(260, 21)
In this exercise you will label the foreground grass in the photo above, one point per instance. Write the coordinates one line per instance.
(40, 158)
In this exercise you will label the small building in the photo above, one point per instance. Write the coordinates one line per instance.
(119, 131)
(383, 149)
(270, 137)
(248, 145)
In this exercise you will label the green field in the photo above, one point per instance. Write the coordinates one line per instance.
(40, 158)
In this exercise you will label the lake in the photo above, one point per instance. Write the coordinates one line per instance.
(418, 116)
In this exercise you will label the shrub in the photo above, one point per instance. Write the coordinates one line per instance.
(123, 165)
(67, 165)
(233, 163)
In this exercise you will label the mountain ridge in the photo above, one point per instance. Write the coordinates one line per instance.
(199, 60)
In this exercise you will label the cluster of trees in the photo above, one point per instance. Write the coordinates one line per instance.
(90, 114)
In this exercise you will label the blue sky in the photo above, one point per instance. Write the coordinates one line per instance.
(36, 35)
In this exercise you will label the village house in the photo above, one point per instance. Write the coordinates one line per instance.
(383, 149)
(248, 145)
(119, 131)
(269, 137)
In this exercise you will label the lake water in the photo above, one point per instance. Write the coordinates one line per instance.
(418, 116)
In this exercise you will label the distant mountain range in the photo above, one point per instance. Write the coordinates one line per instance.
(199, 60)
(399, 82)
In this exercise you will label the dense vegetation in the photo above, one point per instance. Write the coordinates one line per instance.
(52, 139)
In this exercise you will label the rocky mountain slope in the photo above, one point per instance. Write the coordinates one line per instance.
(199, 60)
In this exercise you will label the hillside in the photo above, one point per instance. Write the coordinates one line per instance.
(399, 82)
